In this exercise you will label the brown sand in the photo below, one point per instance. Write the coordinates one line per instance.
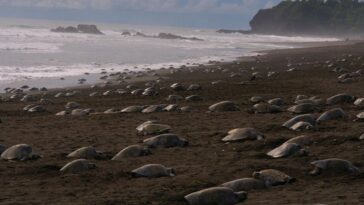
(207, 161)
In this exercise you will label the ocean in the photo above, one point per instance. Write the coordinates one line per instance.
(30, 52)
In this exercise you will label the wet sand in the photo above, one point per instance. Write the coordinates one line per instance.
(207, 161)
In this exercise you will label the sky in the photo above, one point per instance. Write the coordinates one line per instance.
(230, 14)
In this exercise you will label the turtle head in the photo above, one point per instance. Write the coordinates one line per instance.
(303, 152)
(316, 171)
(256, 175)
(146, 151)
(34, 156)
(183, 142)
(92, 166)
(171, 172)
(242, 195)
(100, 155)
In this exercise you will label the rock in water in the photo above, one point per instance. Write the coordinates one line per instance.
(90, 29)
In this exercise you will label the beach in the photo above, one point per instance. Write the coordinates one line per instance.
(206, 161)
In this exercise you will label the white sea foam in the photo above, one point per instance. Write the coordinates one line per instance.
(33, 51)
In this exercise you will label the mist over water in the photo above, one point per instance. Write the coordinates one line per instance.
(29, 50)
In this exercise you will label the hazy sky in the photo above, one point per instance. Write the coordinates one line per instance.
(190, 13)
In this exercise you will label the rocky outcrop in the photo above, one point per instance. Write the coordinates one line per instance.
(227, 31)
(162, 36)
(92, 29)
(172, 36)
(81, 28)
(69, 29)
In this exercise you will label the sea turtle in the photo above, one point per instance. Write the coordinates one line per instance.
(153, 108)
(20, 152)
(37, 108)
(333, 165)
(194, 87)
(151, 128)
(300, 118)
(301, 125)
(276, 101)
(45, 101)
(27, 107)
(301, 140)
(273, 177)
(137, 91)
(171, 107)
(112, 111)
(286, 150)
(85, 153)
(224, 106)
(216, 195)
(310, 101)
(256, 99)
(177, 87)
(300, 97)
(361, 137)
(77, 166)
(151, 91)
(266, 108)
(360, 117)
(340, 98)
(186, 109)
(193, 98)
(165, 140)
(59, 95)
(174, 98)
(359, 102)
(132, 109)
(63, 113)
(93, 94)
(245, 184)
(333, 114)
(79, 112)
(242, 134)
(28, 98)
(72, 105)
(153, 171)
(302, 108)
(131, 151)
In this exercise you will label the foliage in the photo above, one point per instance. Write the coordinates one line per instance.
(325, 17)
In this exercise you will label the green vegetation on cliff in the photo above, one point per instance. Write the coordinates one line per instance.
(311, 17)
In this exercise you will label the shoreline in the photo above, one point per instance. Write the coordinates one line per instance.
(55, 83)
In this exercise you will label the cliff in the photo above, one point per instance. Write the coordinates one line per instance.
(311, 17)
